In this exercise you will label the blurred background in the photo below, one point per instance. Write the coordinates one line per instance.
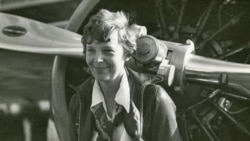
(25, 79)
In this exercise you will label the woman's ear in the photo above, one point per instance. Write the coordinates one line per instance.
(127, 56)
(137, 31)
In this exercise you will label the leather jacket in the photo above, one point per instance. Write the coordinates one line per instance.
(154, 105)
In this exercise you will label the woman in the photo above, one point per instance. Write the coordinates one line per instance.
(116, 104)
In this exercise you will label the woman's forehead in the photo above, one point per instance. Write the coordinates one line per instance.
(112, 39)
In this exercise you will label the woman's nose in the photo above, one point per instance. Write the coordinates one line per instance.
(99, 58)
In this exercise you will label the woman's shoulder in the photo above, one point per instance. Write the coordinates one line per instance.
(83, 85)
(153, 92)
(157, 90)
(82, 91)
(158, 95)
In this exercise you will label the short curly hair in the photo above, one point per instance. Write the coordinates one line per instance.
(102, 24)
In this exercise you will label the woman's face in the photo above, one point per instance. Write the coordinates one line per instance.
(106, 59)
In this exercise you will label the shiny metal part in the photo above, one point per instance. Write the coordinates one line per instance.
(37, 37)
(207, 71)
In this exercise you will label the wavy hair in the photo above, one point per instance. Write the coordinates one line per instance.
(102, 24)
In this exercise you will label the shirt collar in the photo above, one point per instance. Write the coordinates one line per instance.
(97, 96)
(122, 96)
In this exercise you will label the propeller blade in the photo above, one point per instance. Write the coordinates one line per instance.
(26, 35)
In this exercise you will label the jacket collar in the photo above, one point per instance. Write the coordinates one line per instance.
(136, 81)
(133, 124)
(122, 96)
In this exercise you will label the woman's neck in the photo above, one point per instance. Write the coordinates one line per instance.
(109, 89)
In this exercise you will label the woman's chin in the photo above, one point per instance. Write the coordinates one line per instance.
(102, 78)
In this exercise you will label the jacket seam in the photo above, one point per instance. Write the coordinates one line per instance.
(79, 116)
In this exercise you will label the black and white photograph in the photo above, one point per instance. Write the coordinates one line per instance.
(124, 70)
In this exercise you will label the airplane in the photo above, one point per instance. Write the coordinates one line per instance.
(217, 81)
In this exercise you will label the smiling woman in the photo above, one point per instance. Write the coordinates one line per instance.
(106, 60)
(201, 21)
(115, 103)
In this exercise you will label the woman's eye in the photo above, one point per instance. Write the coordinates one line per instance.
(108, 50)
(90, 50)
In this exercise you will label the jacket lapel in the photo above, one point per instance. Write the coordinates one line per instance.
(132, 120)
(87, 123)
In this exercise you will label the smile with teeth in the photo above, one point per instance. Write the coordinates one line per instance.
(99, 69)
